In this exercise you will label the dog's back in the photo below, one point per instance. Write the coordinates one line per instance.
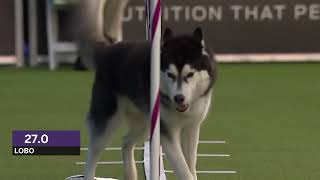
(123, 70)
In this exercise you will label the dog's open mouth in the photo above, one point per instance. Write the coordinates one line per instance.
(182, 107)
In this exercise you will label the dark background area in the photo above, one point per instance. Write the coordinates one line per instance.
(6, 27)
(226, 36)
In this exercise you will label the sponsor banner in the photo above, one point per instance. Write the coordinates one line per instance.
(238, 26)
(230, 27)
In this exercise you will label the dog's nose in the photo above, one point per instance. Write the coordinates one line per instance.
(179, 99)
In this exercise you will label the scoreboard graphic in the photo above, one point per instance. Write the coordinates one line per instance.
(46, 142)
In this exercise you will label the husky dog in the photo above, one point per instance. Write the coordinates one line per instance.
(121, 93)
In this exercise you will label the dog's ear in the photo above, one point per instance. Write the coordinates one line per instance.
(168, 34)
(198, 35)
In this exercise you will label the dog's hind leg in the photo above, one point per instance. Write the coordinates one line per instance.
(103, 121)
(96, 145)
(138, 130)
(98, 142)
(130, 170)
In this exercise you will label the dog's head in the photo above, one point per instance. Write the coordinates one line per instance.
(187, 70)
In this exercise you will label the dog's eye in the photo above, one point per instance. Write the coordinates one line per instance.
(190, 75)
(171, 76)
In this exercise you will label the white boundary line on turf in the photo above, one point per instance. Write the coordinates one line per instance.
(269, 57)
(113, 149)
(213, 155)
(209, 155)
(141, 148)
(212, 142)
(139, 162)
(166, 171)
(109, 162)
(120, 162)
(209, 172)
(199, 155)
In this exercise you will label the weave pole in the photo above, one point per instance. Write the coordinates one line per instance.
(153, 13)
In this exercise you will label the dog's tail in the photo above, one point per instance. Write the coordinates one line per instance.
(90, 19)
(98, 21)
(101, 20)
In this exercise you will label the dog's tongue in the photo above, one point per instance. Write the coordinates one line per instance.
(182, 108)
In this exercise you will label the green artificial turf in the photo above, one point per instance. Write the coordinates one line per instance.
(269, 115)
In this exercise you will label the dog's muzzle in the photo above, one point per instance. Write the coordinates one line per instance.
(181, 106)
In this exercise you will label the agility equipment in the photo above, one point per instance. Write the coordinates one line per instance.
(153, 13)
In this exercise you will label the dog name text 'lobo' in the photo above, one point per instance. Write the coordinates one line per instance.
(23, 151)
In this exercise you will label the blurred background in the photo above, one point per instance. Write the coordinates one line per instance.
(239, 28)
(264, 123)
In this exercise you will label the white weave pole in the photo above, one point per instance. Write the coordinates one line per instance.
(153, 12)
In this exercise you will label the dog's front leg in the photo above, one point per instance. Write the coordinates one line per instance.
(172, 148)
(190, 138)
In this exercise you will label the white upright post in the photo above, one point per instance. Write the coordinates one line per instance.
(51, 34)
(154, 23)
(19, 35)
(33, 32)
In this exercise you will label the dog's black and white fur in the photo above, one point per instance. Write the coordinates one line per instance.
(121, 93)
